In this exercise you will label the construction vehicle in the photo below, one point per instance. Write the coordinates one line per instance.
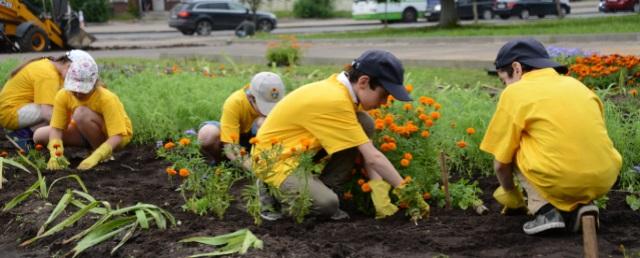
(25, 27)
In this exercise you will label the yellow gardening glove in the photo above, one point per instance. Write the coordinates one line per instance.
(510, 199)
(380, 197)
(57, 161)
(101, 153)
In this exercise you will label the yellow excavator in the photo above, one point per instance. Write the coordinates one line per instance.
(25, 27)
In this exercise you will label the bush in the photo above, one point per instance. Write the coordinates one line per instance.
(93, 10)
(313, 8)
(286, 52)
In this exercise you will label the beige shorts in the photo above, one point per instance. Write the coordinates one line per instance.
(29, 115)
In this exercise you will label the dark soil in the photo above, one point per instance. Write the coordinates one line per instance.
(136, 176)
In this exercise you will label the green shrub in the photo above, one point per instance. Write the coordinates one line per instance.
(313, 8)
(93, 10)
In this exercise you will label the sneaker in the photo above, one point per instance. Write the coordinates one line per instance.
(545, 220)
(588, 209)
(267, 203)
(340, 215)
(22, 137)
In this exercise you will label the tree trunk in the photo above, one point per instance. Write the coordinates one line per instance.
(448, 15)
(559, 9)
(475, 11)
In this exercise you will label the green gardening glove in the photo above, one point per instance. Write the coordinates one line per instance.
(57, 161)
(101, 153)
(380, 197)
(510, 199)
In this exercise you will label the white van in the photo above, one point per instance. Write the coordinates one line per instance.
(402, 10)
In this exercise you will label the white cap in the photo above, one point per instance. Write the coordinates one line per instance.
(268, 89)
(82, 73)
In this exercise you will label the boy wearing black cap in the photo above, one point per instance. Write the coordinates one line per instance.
(324, 116)
(548, 130)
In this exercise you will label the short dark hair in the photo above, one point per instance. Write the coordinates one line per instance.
(509, 69)
(353, 75)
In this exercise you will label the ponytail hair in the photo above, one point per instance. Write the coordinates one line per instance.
(60, 59)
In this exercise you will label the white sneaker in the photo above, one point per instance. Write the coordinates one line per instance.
(340, 215)
(551, 219)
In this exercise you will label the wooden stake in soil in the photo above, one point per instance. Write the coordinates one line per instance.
(445, 179)
(589, 237)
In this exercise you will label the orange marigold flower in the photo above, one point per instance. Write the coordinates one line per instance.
(384, 147)
(365, 188)
(361, 181)
(471, 131)
(407, 179)
(437, 106)
(405, 162)
(428, 122)
(388, 119)
(409, 87)
(407, 107)
(347, 196)
(408, 156)
(426, 196)
(167, 146)
(243, 151)
(39, 147)
(633, 92)
(379, 126)
(253, 140)
(171, 171)
(274, 141)
(234, 137)
(435, 115)
(403, 205)
(4, 154)
(392, 146)
(185, 141)
(184, 172)
(461, 144)
(425, 134)
(305, 143)
(58, 153)
(55, 146)
(293, 149)
(423, 117)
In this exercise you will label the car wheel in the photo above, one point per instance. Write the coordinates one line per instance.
(265, 25)
(409, 15)
(540, 16)
(487, 14)
(187, 32)
(203, 28)
(566, 11)
(524, 14)
(504, 16)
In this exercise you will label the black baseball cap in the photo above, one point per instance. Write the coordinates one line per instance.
(527, 51)
(386, 68)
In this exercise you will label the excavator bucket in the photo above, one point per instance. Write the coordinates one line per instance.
(80, 39)
(76, 36)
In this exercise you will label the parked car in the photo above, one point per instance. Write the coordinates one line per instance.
(203, 16)
(464, 8)
(526, 8)
(606, 6)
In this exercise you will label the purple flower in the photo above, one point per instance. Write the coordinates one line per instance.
(567, 52)
(190, 132)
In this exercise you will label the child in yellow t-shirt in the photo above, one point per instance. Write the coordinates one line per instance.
(26, 100)
(85, 114)
(242, 114)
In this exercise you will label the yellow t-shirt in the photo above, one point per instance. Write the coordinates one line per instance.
(322, 113)
(237, 116)
(37, 82)
(103, 102)
(553, 127)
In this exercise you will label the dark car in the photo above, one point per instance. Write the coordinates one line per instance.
(619, 6)
(526, 8)
(203, 16)
(464, 8)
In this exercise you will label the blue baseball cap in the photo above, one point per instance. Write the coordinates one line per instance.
(386, 68)
(527, 51)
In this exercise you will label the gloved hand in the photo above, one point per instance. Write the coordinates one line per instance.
(380, 197)
(57, 161)
(409, 195)
(101, 153)
(510, 199)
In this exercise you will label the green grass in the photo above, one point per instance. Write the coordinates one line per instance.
(595, 25)
(289, 14)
